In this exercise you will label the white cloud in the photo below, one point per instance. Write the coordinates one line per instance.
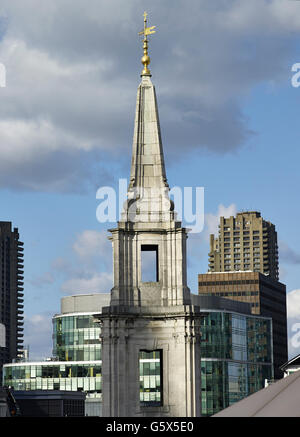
(92, 243)
(266, 17)
(92, 249)
(97, 283)
(213, 220)
(71, 85)
(293, 316)
(293, 304)
(38, 335)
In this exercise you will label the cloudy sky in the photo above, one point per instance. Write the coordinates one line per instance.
(229, 118)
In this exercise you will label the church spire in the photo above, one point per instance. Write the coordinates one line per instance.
(150, 308)
(148, 182)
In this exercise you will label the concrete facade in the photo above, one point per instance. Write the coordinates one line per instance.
(245, 242)
(81, 303)
(156, 315)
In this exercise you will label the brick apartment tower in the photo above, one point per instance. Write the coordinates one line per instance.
(11, 293)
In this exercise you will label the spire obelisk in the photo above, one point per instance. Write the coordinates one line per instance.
(149, 318)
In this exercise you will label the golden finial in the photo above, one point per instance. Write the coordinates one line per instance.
(146, 59)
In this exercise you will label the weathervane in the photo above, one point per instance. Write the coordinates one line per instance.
(146, 59)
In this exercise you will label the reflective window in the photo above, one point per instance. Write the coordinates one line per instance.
(150, 363)
(236, 358)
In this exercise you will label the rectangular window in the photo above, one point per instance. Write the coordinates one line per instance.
(149, 259)
(151, 381)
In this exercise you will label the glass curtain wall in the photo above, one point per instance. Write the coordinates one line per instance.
(76, 338)
(236, 358)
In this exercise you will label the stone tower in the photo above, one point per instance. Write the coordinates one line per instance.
(150, 332)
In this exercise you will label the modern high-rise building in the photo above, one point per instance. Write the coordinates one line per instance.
(245, 242)
(243, 265)
(11, 293)
(266, 296)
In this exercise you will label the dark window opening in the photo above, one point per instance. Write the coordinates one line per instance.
(149, 259)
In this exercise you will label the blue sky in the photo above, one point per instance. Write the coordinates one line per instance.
(229, 120)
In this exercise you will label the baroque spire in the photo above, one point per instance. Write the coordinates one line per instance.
(148, 185)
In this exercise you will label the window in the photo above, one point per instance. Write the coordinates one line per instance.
(151, 366)
(149, 259)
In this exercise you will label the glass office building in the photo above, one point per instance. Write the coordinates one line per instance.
(236, 355)
(76, 338)
(78, 376)
(76, 362)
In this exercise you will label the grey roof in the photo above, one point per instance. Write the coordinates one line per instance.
(84, 303)
(280, 399)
